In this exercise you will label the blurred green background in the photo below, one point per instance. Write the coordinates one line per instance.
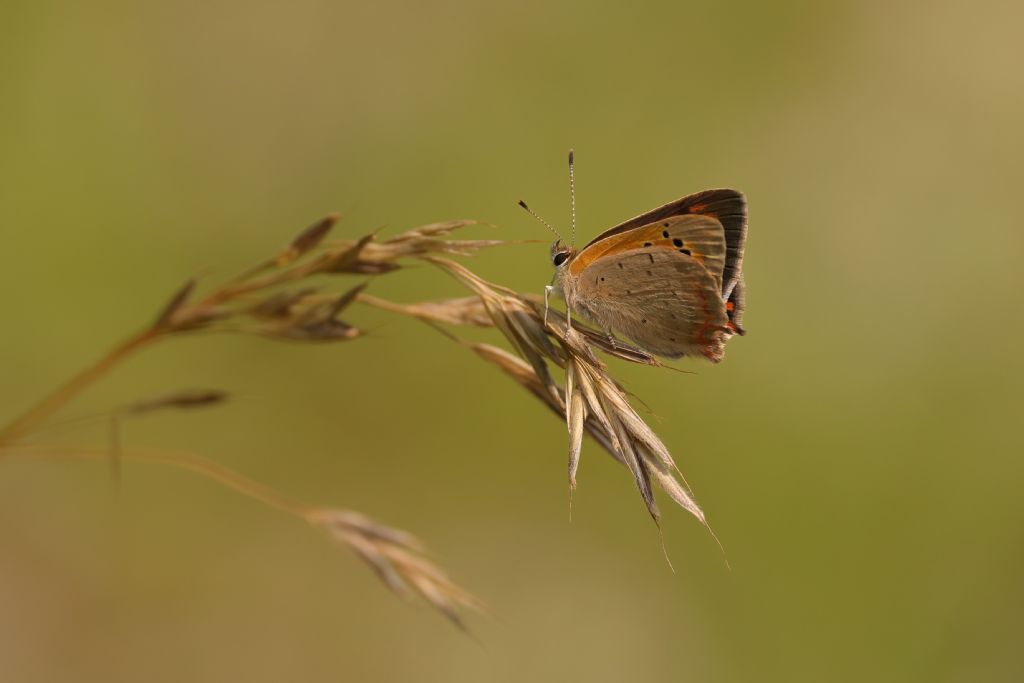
(859, 452)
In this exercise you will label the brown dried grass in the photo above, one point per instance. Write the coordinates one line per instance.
(285, 297)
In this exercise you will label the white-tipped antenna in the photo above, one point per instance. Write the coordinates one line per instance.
(532, 213)
(572, 198)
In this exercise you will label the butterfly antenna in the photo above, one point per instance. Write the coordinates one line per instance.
(572, 197)
(532, 213)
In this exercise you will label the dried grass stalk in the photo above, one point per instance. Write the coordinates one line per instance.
(256, 302)
(277, 299)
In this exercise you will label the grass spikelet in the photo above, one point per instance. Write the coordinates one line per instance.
(307, 240)
(319, 323)
(467, 311)
(591, 398)
(170, 310)
(397, 558)
(184, 399)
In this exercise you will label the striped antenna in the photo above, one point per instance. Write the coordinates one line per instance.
(531, 212)
(572, 198)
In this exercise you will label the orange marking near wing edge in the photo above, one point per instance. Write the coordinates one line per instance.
(616, 243)
(650, 235)
(703, 336)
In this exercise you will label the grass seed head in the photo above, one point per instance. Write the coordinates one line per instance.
(398, 559)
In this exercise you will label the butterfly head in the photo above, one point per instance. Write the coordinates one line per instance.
(561, 254)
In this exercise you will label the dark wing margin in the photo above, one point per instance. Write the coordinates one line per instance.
(728, 206)
(734, 306)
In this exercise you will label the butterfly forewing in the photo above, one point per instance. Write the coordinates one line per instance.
(728, 206)
(665, 301)
(700, 237)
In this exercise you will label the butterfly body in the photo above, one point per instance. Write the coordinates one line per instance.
(669, 280)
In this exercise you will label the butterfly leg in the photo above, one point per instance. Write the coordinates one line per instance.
(547, 295)
(611, 338)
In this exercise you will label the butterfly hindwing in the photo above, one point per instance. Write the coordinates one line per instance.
(734, 306)
(728, 206)
(663, 300)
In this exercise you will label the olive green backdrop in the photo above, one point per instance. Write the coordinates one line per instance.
(858, 452)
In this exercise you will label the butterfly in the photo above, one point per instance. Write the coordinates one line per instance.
(669, 280)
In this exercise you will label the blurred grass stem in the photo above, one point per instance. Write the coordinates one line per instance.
(30, 419)
(185, 461)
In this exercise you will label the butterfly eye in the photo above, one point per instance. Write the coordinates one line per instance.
(559, 258)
